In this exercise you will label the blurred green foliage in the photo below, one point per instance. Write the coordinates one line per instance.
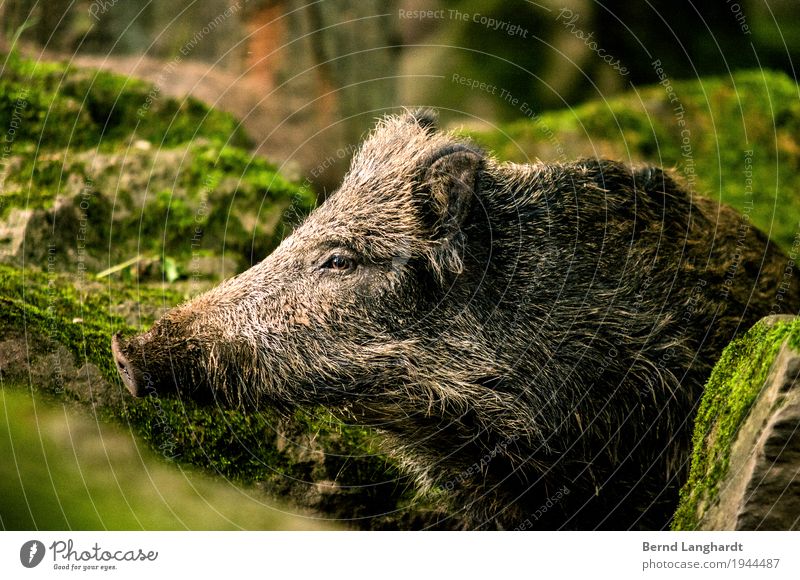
(555, 54)
(75, 472)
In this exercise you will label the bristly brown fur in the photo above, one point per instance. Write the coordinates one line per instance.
(532, 339)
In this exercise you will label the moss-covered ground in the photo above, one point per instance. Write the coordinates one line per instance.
(60, 106)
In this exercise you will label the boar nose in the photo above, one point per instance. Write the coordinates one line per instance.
(131, 376)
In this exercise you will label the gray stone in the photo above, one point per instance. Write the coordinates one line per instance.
(762, 488)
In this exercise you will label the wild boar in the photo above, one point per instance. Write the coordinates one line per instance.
(531, 339)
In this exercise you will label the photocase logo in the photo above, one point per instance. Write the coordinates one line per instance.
(31, 553)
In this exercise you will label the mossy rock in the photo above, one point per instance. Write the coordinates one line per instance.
(735, 139)
(734, 386)
(102, 169)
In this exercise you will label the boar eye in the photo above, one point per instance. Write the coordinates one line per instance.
(339, 263)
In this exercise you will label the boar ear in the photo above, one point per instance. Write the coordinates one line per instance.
(452, 181)
(424, 117)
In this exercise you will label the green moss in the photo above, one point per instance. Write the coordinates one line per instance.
(240, 206)
(703, 135)
(230, 443)
(47, 303)
(59, 106)
(250, 200)
(734, 385)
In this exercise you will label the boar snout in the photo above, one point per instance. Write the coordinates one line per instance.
(131, 376)
(141, 368)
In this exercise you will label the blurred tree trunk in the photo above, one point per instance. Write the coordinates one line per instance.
(339, 57)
